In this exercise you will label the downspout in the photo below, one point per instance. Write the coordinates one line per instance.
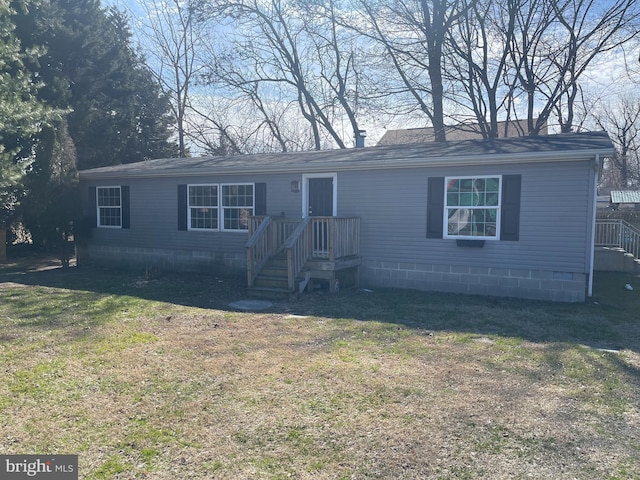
(593, 224)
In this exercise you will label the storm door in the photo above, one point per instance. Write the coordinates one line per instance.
(320, 203)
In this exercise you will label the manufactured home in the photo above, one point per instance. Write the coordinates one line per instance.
(507, 217)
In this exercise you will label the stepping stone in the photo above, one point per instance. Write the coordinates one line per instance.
(251, 305)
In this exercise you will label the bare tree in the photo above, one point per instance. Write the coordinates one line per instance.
(243, 90)
(321, 64)
(337, 53)
(246, 124)
(172, 41)
(480, 45)
(538, 51)
(289, 51)
(557, 42)
(621, 120)
(412, 34)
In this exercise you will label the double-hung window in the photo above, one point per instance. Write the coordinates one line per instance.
(237, 206)
(109, 205)
(203, 207)
(220, 207)
(472, 207)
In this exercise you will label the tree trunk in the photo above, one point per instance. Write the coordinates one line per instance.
(3, 244)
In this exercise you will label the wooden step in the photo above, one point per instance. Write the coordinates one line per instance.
(269, 281)
(274, 271)
(279, 261)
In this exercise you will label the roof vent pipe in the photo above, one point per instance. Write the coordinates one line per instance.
(360, 135)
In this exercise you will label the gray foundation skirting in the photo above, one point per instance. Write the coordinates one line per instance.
(501, 282)
(164, 259)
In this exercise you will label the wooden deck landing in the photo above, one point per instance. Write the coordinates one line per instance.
(290, 254)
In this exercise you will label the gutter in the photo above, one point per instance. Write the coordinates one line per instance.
(593, 224)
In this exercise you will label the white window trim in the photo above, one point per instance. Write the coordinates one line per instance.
(305, 191)
(98, 207)
(222, 207)
(189, 207)
(445, 219)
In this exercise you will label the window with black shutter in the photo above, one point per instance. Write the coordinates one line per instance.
(474, 208)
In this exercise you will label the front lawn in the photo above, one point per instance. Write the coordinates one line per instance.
(160, 379)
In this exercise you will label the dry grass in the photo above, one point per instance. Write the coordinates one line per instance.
(160, 380)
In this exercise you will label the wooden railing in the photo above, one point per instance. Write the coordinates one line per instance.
(279, 230)
(618, 233)
(321, 237)
(335, 237)
(298, 249)
(259, 246)
(267, 237)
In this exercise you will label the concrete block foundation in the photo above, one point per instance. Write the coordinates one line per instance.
(501, 282)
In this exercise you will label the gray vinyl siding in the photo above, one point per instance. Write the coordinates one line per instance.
(554, 217)
(154, 214)
(391, 204)
(546, 255)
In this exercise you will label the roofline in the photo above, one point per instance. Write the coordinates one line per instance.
(458, 160)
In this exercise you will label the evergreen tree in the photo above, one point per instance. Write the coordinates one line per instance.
(51, 204)
(117, 112)
(110, 109)
(22, 114)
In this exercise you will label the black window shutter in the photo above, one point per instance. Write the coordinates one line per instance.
(126, 219)
(182, 207)
(435, 207)
(261, 199)
(92, 214)
(510, 216)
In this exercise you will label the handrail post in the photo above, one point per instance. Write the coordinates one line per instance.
(259, 241)
(297, 254)
(331, 234)
(620, 237)
(291, 275)
(250, 267)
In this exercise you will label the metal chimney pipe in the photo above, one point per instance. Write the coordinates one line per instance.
(360, 136)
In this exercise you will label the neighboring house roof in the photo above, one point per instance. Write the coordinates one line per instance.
(625, 196)
(462, 131)
(563, 147)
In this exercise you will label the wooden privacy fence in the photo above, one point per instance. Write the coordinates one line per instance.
(618, 233)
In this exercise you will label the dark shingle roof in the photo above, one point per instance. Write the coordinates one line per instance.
(467, 152)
